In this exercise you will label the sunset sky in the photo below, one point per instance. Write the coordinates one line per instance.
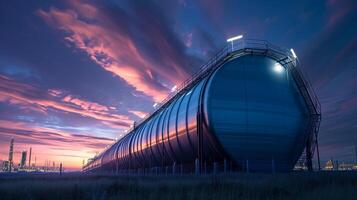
(75, 74)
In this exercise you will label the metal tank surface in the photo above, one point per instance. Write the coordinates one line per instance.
(249, 108)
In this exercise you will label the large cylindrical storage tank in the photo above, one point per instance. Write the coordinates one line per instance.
(250, 111)
(253, 107)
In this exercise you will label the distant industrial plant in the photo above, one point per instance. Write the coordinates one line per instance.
(24, 166)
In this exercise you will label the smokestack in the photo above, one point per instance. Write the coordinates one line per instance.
(23, 159)
(60, 169)
(30, 157)
(11, 154)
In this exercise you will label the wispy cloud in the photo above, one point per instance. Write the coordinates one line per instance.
(138, 113)
(33, 98)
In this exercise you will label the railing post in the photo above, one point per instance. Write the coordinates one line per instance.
(225, 166)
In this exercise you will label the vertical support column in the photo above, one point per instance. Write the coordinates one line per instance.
(225, 166)
(230, 167)
(247, 166)
(272, 166)
(129, 164)
(200, 141)
(174, 168)
(117, 167)
(197, 165)
(215, 168)
(318, 152)
(308, 155)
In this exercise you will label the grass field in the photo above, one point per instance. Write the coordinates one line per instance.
(302, 185)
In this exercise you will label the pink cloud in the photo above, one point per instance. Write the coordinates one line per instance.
(92, 31)
(55, 92)
(86, 105)
(138, 113)
(21, 94)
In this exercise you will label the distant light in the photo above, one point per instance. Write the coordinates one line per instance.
(143, 116)
(121, 135)
(126, 131)
(235, 38)
(155, 104)
(173, 89)
(293, 52)
(278, 68)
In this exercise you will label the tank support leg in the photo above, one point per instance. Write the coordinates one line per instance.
(308, 156)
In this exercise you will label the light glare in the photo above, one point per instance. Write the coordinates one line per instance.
(278, 68)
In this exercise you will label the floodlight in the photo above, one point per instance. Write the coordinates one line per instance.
(235, 38)
(293, 52)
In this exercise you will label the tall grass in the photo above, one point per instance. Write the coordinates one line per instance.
(323, 185)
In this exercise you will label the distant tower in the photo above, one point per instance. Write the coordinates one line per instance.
(11, 155)
(30, 157)
(23, 159)
(60, 169)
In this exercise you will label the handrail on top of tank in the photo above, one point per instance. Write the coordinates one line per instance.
(239, 45)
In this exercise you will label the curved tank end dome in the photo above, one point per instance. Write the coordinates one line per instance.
(254, 108)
